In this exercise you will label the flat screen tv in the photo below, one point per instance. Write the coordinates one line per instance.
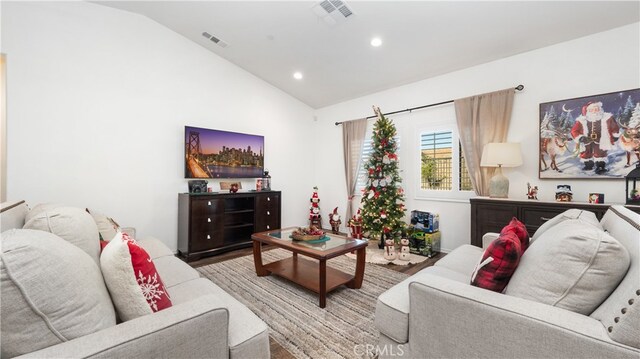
(221, 154)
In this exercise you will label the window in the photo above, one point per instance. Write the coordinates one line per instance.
(442, 166)
(436, 156)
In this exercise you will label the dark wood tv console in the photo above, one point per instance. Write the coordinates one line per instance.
(212, 223)
(491, 214)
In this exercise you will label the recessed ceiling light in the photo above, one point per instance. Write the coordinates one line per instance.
(376, 41)
(297, 75)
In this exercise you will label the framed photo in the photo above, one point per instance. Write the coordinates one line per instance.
(592, 137)
(596, 197)
(227, 185)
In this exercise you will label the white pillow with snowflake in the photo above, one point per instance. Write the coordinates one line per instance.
(132, 279)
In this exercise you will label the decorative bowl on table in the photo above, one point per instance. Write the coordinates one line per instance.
(307, 234)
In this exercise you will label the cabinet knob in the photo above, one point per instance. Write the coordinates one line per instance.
(209, 220)
(268, 227)
(268, 213)
(208, 236)
(209, 203)
(268, 199)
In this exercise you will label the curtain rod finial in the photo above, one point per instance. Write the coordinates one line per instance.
(520, 87)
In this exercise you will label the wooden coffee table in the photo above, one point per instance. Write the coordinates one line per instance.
(312, 275)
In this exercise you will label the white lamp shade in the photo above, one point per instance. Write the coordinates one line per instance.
(501, 154)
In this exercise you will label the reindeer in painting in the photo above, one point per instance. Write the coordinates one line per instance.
(554, 137)
(552, 147)
(629, 139)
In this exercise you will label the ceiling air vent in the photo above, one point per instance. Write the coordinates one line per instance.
(215, 40)
(332, 11)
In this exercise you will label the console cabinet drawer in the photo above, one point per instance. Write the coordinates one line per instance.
(208, 238)
(533, 218)
(203, 207)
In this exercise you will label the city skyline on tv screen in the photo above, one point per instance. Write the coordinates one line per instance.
(222, 154)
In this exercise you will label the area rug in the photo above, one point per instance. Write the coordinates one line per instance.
(296, 322)
(376, 255)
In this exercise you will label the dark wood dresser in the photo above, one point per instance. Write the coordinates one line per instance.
(212, 223)
(492, 214)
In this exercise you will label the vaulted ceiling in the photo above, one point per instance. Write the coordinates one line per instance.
(420, 39)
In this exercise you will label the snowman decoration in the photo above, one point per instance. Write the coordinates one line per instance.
(404, 250)
(389, 250)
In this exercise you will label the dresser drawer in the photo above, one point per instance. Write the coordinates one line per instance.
(203, 207)
(206, 221)
(205, 235)
(267, 201)
(267, 224)
(497, 215)
(533, 218)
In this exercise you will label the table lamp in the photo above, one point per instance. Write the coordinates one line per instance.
(500, 155)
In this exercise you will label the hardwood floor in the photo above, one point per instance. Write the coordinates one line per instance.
(278, 351)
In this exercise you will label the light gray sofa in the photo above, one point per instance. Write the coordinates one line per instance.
(436, 313)
(204, 321)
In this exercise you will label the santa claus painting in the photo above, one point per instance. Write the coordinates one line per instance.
(591, 137)
(596, 132)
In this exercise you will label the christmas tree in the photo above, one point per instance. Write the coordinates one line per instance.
(383, 198)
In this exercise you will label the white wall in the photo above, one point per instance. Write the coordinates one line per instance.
(596, 64)
(98, 97)
(97, 103)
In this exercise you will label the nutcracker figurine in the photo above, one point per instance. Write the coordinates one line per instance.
(355, 226)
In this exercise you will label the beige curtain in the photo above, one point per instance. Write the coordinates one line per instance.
(482, 119)
(353, 133)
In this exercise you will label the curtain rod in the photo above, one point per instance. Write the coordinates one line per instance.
(517, 88)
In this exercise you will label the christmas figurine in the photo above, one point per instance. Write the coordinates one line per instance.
(315, 218)
(389, 250)
(355, 225)
(335, 221)
(404, 250)
(532, 192)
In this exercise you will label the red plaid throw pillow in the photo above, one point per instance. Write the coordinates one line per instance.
(519, 229)
(498, 263)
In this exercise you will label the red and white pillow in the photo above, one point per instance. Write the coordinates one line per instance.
(498, 263)
(132, 279)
